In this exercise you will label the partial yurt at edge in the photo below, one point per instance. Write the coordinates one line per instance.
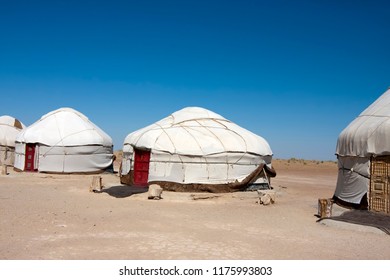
(9, 129)
(195, 149)
(63, 141)
(363, 152)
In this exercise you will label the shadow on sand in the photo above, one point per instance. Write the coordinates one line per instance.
(364, 218)
(123, 191)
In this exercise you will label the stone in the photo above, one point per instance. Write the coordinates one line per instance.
(266, 197)
(155, 192)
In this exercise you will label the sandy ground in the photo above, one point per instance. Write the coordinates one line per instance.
(45, 216)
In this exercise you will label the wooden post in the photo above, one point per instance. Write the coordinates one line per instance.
(325, 207)
(4, 170)
(96, 185)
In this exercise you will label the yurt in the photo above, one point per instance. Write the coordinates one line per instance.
(363, 152)
(63, 141)
(9, 129)
(195, 149)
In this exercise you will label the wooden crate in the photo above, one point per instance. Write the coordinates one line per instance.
(379, 194)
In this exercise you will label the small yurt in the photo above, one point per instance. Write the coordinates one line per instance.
(363, 152)
(195, 149)
(63, 141)
(9, 129)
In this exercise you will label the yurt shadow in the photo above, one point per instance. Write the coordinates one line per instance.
(123, 191)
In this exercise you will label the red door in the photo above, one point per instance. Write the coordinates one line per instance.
(29, 164)
(141, 167)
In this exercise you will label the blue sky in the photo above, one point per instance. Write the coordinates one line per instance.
(294, 72)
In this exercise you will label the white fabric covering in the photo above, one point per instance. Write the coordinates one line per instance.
(368, 135)
(68, 142)
(9, 129)
(65, 127)
(353, 178)
(195, 145)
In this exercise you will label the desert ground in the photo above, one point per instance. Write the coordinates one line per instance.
(51, 216)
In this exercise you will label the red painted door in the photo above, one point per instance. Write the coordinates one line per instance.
(141, 167)
(29, 164)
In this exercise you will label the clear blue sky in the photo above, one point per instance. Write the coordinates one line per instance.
(294, 72)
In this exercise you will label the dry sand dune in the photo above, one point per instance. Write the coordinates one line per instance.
(44, 216)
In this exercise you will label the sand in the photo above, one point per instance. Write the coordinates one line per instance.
(47, 216)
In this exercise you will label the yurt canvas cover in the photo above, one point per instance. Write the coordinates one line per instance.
(195, 149)
(63, 141)
(360, 148)
(9, 129)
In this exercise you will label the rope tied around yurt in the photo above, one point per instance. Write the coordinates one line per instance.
(353, 170)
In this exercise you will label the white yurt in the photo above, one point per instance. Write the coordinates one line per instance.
(195, 149)
(363, 152)
(9, 129)
(63, 141)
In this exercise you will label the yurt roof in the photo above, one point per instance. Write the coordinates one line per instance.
(368, 134)
(197, 131)
(64, 127)
(9, 129)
